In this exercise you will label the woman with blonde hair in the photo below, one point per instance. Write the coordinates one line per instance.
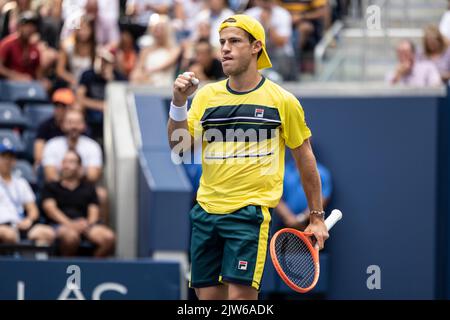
(436, 51)
(157, 63)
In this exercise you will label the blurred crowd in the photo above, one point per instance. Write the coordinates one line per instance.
(428, 65)
(73, 48)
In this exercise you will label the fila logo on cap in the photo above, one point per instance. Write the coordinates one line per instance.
(242, 265)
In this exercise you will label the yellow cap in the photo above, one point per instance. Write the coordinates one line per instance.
(252, 26)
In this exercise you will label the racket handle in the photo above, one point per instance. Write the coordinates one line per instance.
(334, 217)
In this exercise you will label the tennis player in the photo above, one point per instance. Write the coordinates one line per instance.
(244, 123)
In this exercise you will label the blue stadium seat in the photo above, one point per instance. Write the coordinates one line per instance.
(24, 169)
(11, 138)
(11, 116)
(37, 113)
(28, 138)
(23, 92)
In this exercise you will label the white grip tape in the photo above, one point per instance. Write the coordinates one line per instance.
(334, 217)
(194, 81)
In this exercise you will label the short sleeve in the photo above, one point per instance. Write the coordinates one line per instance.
(196, 110)
(42, 132)
(93, 199)
(294, 127)
(27, 195)
(86, 78)
(51, 154)
(47, 192)
(94, 156)
(282, 22)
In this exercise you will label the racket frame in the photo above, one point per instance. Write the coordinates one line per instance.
(305, 237)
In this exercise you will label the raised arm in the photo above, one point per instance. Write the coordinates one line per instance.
(182, 89)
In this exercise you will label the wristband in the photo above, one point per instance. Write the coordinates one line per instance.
(178, 113)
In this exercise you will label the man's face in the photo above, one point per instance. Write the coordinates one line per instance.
(237, 51)
(73, 124)
(216, 5)
(59, 111)
(70, 167)
(7, 162)
(27, 30)
(405, 54)
(203, 54)
(265, 4)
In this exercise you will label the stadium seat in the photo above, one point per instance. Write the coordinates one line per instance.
(37, 113)
(11, 138)
(28, 138)
(23, 92)
(24, 169)
(11, 116)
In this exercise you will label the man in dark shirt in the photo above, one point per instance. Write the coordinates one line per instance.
(72, 206)
(205, 66)
(92, 90)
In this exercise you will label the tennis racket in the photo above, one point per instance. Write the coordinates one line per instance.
(295, 258)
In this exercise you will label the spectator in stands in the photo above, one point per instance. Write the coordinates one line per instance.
(62, 99)
(92, 88)
(157, 63)
(293, 207)
(205, 65)
(278, 22)
(72, 206)
(103, 12)
(212, 16)
(18, 212)
(73, 127)
(413, 72)
(11, 12)
(185, 12)
(10, 24)
(90, 151)
(308, 19)
(19, 56)
(444, 25)
(51, 22)
(437, 51)
(77, 53)
(140, 11)
(126, 55)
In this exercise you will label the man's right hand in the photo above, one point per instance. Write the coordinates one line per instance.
(183, 88)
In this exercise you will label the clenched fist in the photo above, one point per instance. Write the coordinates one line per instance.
(184, 86)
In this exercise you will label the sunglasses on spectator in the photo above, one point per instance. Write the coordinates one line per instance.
(60, 105)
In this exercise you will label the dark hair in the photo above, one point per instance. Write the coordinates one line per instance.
(76, 154)
(92, 40)
(252, 39)
(204, 41)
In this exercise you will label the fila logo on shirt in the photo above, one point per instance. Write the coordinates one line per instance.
(259, 113)
(242, 265)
